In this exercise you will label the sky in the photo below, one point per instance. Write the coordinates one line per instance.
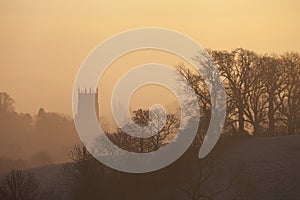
(43, 43)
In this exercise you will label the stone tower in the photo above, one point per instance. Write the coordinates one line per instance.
(85, 98)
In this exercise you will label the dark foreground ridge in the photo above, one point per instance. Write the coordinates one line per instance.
(268, 169)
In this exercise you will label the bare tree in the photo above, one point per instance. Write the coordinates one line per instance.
(257, 98)
(198, 85)
(6, 103)
(288, 101)
(82, 163)
(19, 185)
(271, 68)
(203, 186)
(89, 178)
(163, 131)
(162, 137)
(237, 70)
(141, 118)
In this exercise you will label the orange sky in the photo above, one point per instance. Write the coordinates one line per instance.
(43, 43)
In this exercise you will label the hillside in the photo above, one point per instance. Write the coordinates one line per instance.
(270, 169)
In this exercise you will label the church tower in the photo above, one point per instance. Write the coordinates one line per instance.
(84, 99)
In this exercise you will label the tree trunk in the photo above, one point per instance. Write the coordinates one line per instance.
(271, 114)
(256, 128)
(241, 119)
(291, 127)
(141, 145)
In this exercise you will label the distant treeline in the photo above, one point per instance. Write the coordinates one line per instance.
(263, 91)
(28, 141)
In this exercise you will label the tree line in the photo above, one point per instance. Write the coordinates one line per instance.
(262, 91)
(32, 140)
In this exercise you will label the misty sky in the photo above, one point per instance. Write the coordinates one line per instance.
(43, 43)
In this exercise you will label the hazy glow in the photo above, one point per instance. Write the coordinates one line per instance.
(43, 43)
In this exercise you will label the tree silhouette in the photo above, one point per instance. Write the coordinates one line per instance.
(19, 185)
(6, 103)
(288, 100)
(262, 91)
